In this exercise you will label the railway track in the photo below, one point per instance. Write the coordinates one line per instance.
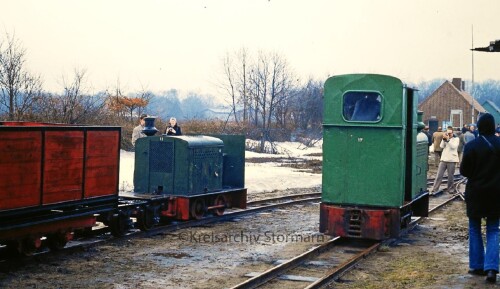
(327, 262)
(101, 234)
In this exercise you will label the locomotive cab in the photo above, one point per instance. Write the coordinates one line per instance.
(374, 169)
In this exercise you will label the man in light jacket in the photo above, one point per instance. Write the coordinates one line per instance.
(437, 137)
(137, 132)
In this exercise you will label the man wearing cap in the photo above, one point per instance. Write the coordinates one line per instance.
(137, 132)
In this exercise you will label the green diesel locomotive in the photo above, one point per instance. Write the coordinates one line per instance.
(185, 177)
(374, 157)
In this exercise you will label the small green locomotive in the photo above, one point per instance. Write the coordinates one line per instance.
(374, 157)
(184, 177)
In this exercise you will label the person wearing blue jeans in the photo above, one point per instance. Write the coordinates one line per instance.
(477, 257)
(481, 166)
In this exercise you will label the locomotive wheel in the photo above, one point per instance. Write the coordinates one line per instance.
(145, 219)
(220, 200)
(57, 241)
(119, 225)
(198, 209)
(85, 232)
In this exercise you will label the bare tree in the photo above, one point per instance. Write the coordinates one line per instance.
(306, 106)
(71, 99)
(75, 104)
(305, 112)
(242, 81)
(19, 89)
(272, 83)
(230, 86)
(145, 96)
(235, 82)
(262, 87)
(30, 98)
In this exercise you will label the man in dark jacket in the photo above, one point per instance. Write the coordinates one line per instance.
(481, 165)
(428, 134)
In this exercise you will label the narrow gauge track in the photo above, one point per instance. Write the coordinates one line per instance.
(456, 177)
(327, 262)
(253, 208)
(283, 198)
(101, 235)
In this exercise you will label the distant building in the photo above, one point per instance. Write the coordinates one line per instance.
(450, 104)
(493, 110)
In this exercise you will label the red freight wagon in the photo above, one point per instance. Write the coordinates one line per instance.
(55, 178)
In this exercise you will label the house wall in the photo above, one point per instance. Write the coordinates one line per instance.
(445, 99)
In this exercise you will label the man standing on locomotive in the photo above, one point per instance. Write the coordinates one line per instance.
(449, 158)
(137, 132)
(481, 165)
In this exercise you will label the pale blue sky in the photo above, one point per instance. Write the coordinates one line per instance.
(164, 44)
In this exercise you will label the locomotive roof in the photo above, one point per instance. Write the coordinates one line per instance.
(198, 140)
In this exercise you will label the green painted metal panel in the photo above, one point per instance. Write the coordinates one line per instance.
(364, 162)
(390, 88)
(234, 160)
(362, 166)
(141, 167)
(421, 165)
(178, 165)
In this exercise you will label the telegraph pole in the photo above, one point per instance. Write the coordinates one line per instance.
(472, 88)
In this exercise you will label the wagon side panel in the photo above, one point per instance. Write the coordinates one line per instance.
(20, 169)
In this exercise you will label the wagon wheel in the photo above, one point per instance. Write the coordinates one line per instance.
(198, 208)
(119, 224)
(29, 245)
(57, 241)
(220, 200)
(13, 247)
(146, 219)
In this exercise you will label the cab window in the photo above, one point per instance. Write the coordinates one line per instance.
(362, 106)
